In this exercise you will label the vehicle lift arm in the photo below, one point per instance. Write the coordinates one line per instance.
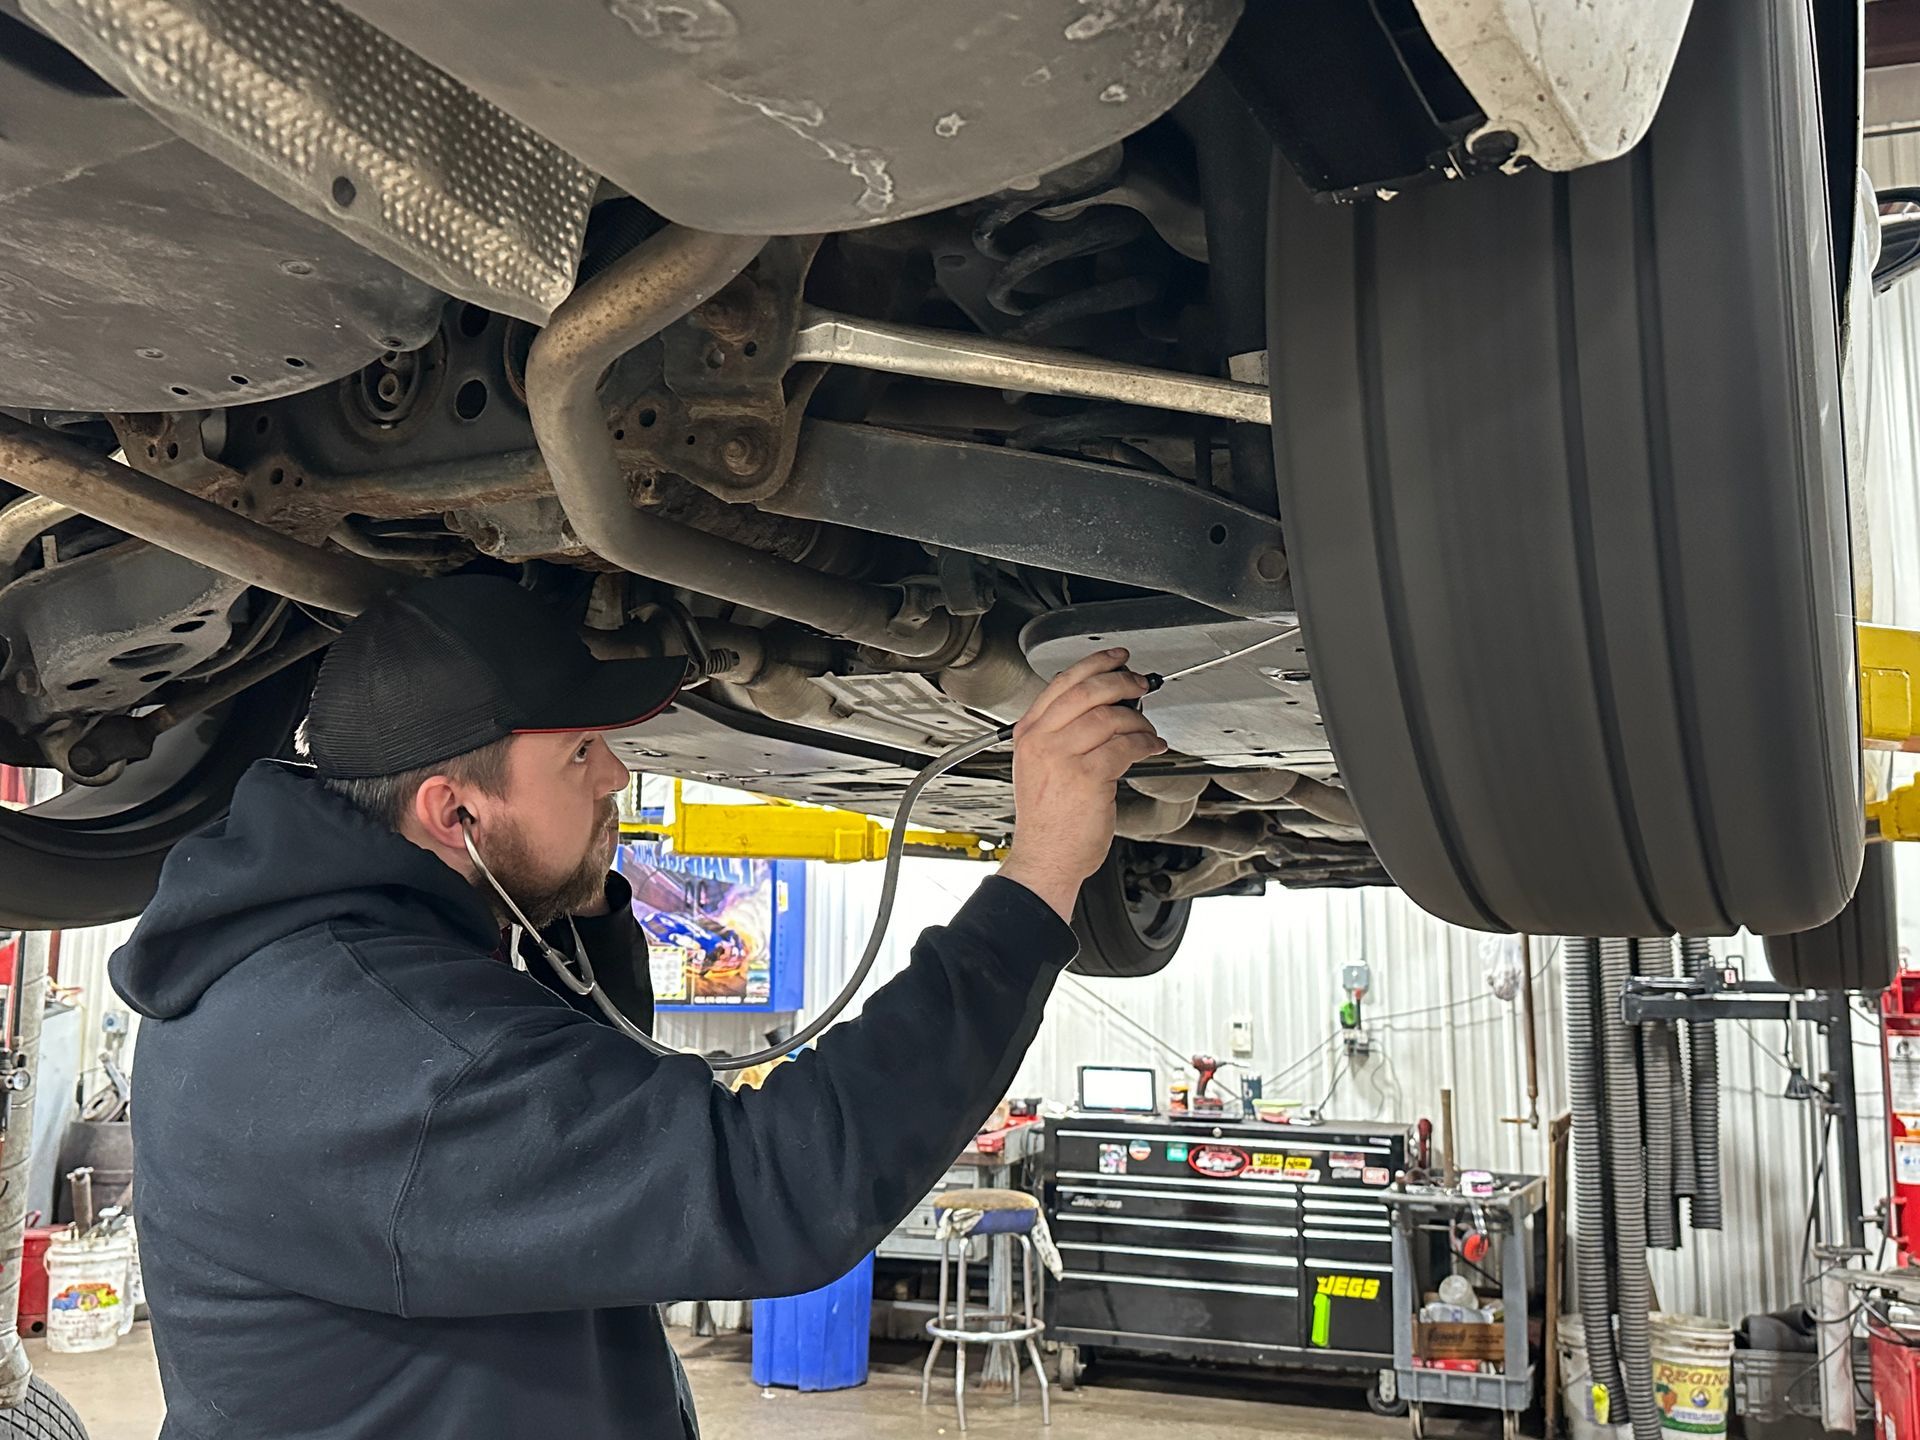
(783, 830)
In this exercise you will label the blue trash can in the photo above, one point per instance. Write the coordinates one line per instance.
(816, 1341)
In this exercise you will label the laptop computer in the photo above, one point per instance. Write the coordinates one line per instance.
(1119, 1090)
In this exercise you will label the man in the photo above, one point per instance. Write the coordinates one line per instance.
(391, 1185)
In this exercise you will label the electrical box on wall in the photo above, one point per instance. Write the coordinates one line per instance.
(1240, 1037)
(722, 933)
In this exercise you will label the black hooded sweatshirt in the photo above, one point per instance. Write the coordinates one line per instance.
(390, 1186)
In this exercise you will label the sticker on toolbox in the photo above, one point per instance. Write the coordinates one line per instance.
(1113, 1159)
(1299, 1162)
(1345, 1172)
(1267, 1165)
(1177, 1152)
(1346, 1160)
(1906, 1162)
(1358, 1287)
(1139, 1150)
(1376, 1175)
(1222, 1161)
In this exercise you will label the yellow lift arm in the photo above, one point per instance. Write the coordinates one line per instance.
(1890, 720)
(782, 830)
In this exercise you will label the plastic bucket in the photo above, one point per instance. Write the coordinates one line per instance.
(1576, 1386)
(1692, 1375)
(816, 1341)
(87, 1292)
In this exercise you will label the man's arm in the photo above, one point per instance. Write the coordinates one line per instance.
(566, 1167)
(569, 1168)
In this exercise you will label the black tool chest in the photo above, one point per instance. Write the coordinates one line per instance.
(1241, 1242)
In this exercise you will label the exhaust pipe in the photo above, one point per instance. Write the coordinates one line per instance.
(628, 303)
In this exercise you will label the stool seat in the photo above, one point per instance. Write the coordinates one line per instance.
(986, 1200)
(1002, 1212)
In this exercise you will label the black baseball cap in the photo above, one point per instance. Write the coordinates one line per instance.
(446, 666)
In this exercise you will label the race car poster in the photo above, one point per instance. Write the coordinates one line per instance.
(721, 933)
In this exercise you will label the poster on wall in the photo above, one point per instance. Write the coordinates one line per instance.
(722, 933)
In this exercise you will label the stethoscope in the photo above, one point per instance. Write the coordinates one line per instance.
(582, 983)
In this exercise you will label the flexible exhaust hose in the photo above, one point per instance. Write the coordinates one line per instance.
(1633, 1286)
(1595, 1287)
(1655, 958)
(1703, 1066)
(1685, 1180)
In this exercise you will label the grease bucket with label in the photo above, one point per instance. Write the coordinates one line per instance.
(87, 1292)
(1692, 1376)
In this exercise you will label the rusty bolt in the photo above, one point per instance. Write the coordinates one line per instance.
(744, 453)
(729, 315)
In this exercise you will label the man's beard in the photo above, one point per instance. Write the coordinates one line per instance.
(544, 900)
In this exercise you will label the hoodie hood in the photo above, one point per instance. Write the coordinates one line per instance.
(290, 855)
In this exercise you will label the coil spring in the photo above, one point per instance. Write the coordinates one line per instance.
(1093, 232)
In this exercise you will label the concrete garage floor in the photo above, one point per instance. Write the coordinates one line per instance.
(117, 1394)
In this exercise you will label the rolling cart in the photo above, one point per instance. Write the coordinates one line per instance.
(1422, 1352)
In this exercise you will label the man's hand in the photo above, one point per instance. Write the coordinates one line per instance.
(1069, 750)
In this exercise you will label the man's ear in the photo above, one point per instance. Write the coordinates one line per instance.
(438, 811)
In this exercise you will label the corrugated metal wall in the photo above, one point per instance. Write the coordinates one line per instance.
(83, 967)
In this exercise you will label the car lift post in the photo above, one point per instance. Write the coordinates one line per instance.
(26, 1001)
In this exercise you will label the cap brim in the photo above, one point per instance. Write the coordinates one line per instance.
(611, 695)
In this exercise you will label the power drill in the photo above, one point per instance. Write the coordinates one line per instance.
(1204, 1069)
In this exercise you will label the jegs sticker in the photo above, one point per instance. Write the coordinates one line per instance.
(1217, 1161)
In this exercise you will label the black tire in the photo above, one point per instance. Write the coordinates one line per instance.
(92, 856)
(1561, 474)
(1125, 930)
(42, 1415)
(1859, 949)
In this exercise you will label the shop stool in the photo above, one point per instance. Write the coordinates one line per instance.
(1006, 1218)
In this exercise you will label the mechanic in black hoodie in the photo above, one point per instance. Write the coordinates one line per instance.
(392, 1185)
